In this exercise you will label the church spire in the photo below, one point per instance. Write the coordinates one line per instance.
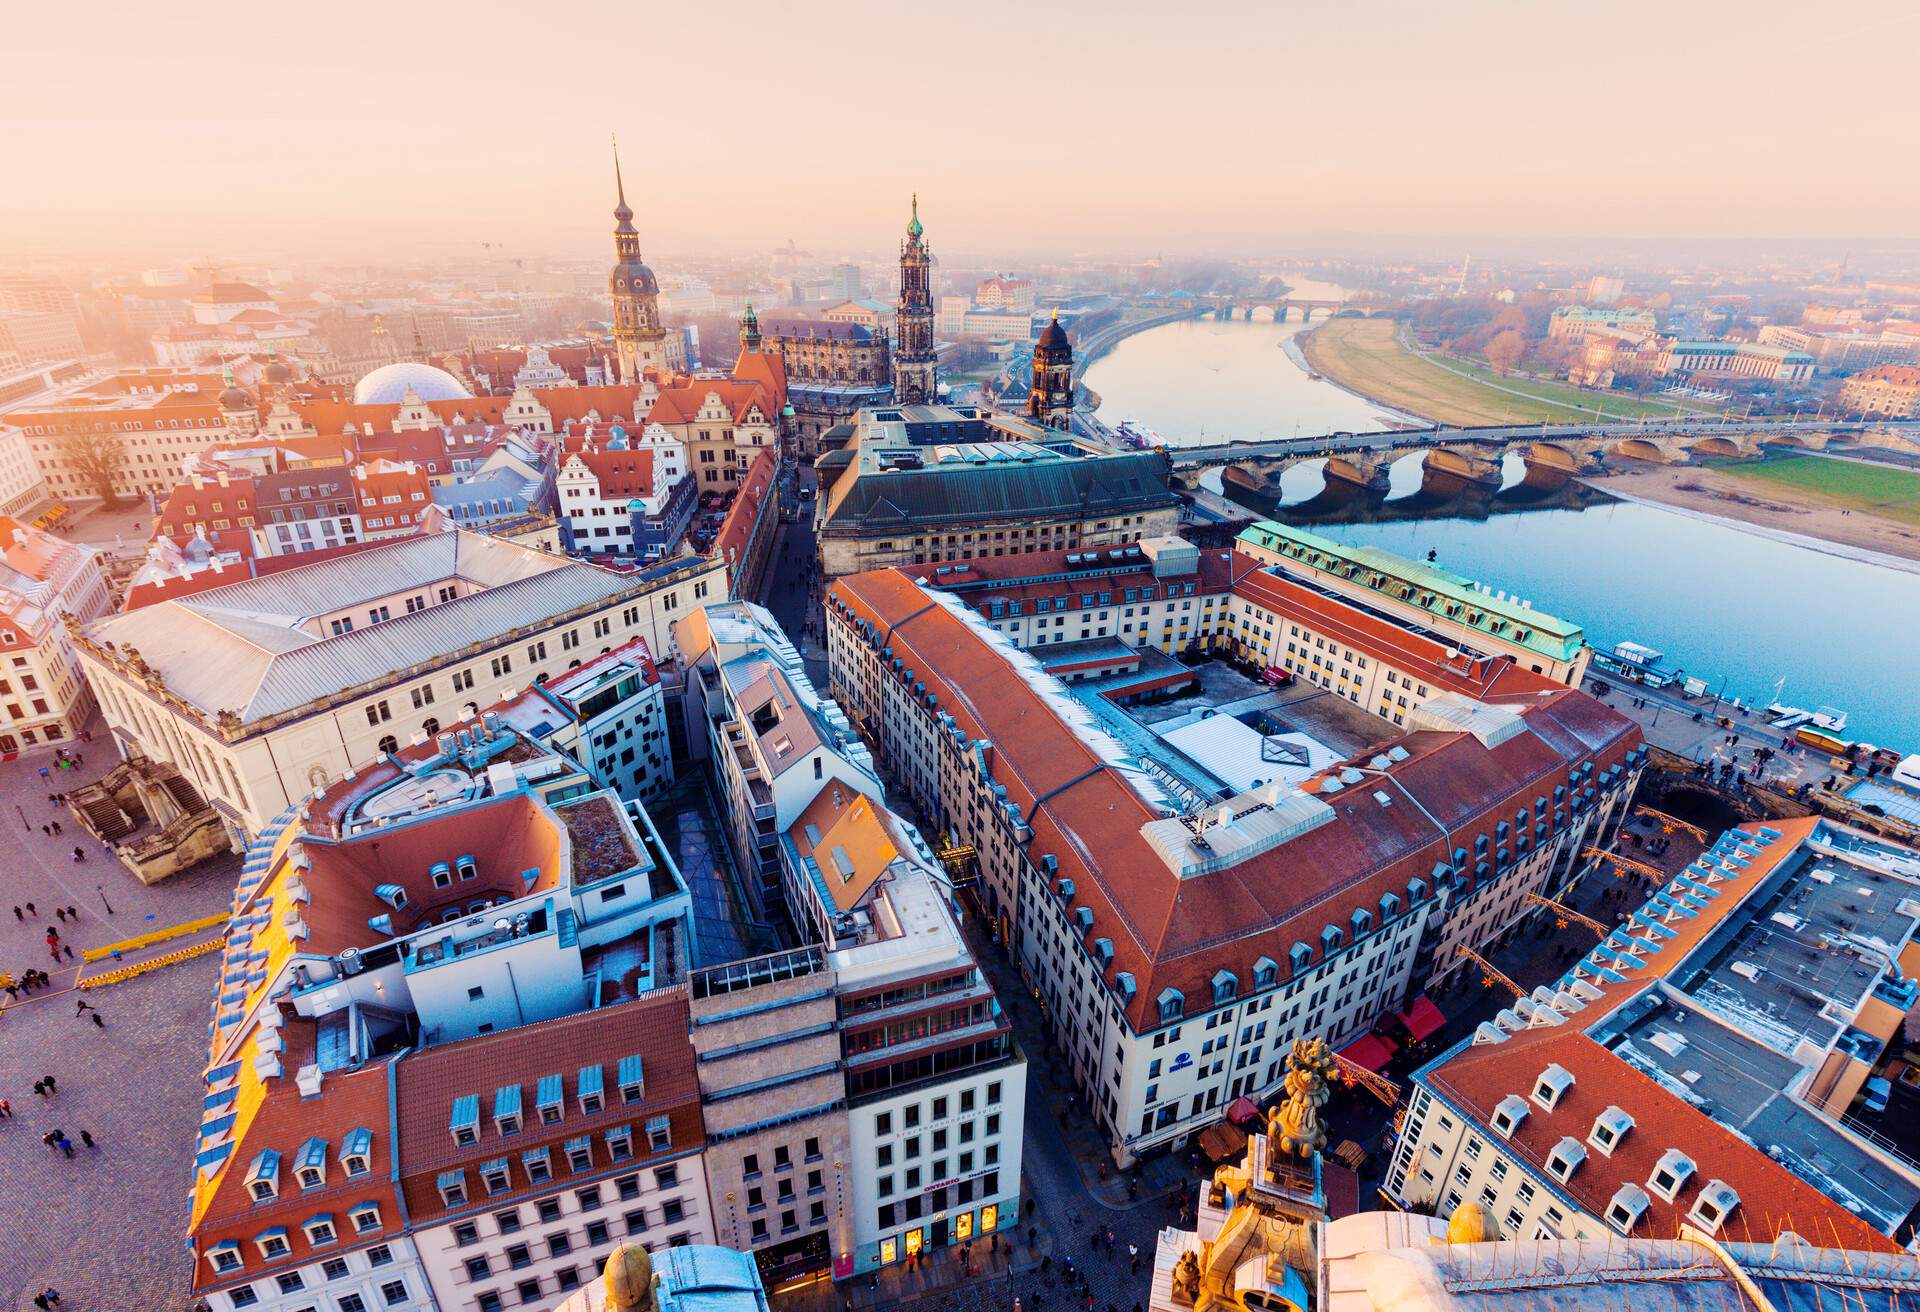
(622, 212)
(913, 225)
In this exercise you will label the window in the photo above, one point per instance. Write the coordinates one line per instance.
(1565, 1158)
(320, 1231)
(466, 1233)
(292, 1282)
(1670, 1173)
(365, 1218)
(489, 1301)
(666, 1177)
(519, 1257)
(243, 1297)
(478, 1268)
(500, 665)
(559, 1243)
(379, 712)
(508, 1221)
(673, 1210)
(394, 1291)
(660, 1134)
(379, 1255)
(1554, 1081)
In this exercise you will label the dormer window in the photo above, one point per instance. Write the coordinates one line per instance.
(1628, 1204)
(1083, 919)
(1103, 952)
(365, 1218)
(356, 1151)
(320, 1230)
(464, 1124)
(1670, 1174)
(1714, 1205)
(1331, 938)
(466, 868)
(1565, 1158)
(494, 1176)
(538, 1165)
(580, 1153)
(506, 1109)
(1173, 1004)
(1609, 1128)
(224, 1257)
(1553, 1084)
(1224, 986)
(310, 1168)
(453, 1188)
(272, 1243)
(590, 1090)
(633, 1086)
(1362, 921)
(1301, 956)
(1265, 971)
(549, 1099)
(263, 1177)
(1507, 1115)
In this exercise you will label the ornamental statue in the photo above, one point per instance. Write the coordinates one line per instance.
(1295, 1124)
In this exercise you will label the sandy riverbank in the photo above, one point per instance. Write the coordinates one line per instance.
(1703, 491)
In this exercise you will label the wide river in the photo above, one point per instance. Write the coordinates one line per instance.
(1721, 603)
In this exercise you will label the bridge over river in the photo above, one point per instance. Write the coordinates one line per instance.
(1477, 455)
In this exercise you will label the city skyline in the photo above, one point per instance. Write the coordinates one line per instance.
(1069, 129)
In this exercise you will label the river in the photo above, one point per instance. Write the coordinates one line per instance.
(1211, 379)
(1722, 603)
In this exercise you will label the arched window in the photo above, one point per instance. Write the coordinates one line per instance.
(389, 744)
(431, 727)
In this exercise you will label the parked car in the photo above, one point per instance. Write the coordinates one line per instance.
(1877, 1092)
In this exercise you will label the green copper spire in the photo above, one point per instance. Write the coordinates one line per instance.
(913, 225)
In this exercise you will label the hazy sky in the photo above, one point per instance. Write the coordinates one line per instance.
(1105, 126)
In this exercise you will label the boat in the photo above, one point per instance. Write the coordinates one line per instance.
(1133, 433)
(1829, 719)
(1792, 717)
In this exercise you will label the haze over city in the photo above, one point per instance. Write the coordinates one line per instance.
(959, 657)
(1074, 127)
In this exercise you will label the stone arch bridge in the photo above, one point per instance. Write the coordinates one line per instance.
(1284, 307)
(1480, 459)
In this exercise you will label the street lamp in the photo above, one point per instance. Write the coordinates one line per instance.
(101, 889)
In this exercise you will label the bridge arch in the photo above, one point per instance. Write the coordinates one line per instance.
(1717, 447)
(1552, 455)
(1639, 448)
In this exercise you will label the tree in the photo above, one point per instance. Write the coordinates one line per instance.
(95, 456)
(1505, 350)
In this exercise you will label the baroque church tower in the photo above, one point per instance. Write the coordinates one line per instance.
(1050, 399)
(915, 370)
(639, 342)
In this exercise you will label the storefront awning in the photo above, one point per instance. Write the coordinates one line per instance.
(1422, 1018)
(1222, 1141)
(1243, 1112)
(1370, 1051)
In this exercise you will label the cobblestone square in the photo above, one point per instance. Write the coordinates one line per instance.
(107, 1227)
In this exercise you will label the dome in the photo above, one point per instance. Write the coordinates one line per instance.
(1053, 338)
(1469, 1225)
(390, 382)
(235, 397)
(277, 371)
(633, 276)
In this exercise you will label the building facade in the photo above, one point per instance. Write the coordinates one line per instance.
(364, 652)
(935, 484)
(833, 370)
(1076, 852)
(1050, 398)
(43, 580)
(1890, 390)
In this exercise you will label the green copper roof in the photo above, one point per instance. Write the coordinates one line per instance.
(1449, 596)
(913, 225)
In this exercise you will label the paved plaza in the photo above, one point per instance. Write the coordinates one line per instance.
(106, 1228)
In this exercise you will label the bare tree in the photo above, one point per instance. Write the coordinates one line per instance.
(96, 456)
(1505, 350)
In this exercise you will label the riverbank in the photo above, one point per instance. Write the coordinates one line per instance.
(1388, 418)
(1712, 494)
(1367, 357)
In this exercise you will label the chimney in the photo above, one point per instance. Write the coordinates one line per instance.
(307, 1080)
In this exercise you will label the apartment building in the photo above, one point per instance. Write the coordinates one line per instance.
(625, 496)
(616, 720)
(474, 920)
(1423, 599)
(769, 738)
(1180, 942)
(1700, 1065)
(265, 690)
(1887, 389)
(44, 580)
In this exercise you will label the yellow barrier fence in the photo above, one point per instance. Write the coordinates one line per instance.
(124, 973)
(154, 936)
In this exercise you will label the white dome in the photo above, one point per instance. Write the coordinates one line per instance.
(389, 383)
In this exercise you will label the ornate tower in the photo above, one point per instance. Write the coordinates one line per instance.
(639, 341)
(915, 370)
(1050, 398)
(749, 331)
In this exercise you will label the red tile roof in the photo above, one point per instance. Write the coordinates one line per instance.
(736, 530)
(680, 405)
(1772, 1199)
(621, 473)
(1170, 932)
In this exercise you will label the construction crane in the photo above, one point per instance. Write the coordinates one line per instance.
(1490, 974)
(1621, 864)
(1563, 914)
(1669, 823)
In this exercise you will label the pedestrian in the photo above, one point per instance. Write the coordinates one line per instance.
(51, 1086)
(81, 1006)
(56, 826)
(54, 951)
(40, 1300)
(73, 915)
(47, 830)
(65, 1145)
(68, 949)
(53, 935)
(6, 1109)
(51, 1294)
(79, 854)
(97, 1022)
(18, 914)
(30, 910)
(86, 1137)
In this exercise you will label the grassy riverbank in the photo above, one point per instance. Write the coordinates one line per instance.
(1879, 490)
(1366, 356)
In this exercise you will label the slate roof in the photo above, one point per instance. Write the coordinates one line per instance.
(240, 648)
(879, 500)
